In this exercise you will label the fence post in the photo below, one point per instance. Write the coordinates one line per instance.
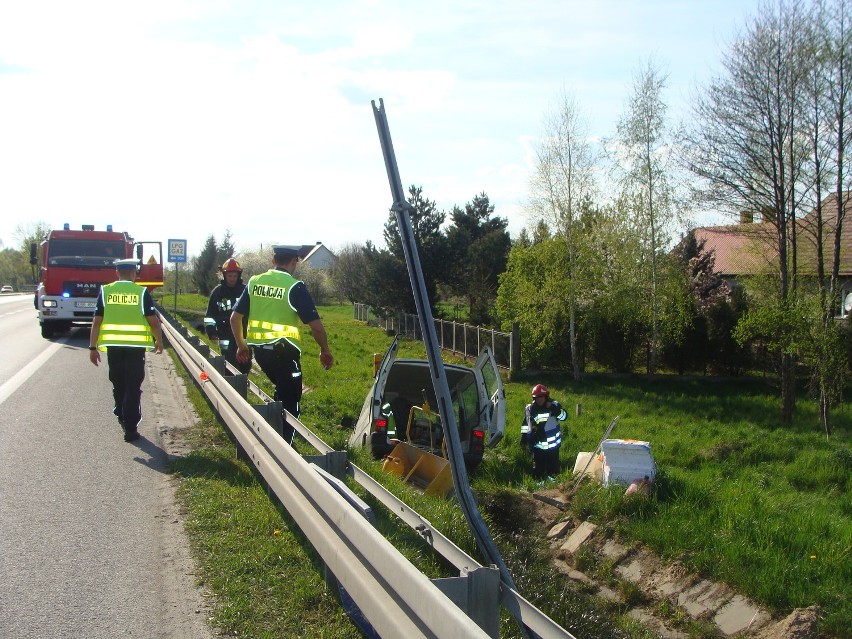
(515, 350)
(464, 341)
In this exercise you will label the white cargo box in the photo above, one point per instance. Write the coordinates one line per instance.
(627, 460)
(591, 467)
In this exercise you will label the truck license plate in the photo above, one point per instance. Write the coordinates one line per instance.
(86, 304)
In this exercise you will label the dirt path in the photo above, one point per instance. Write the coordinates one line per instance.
(185, 605)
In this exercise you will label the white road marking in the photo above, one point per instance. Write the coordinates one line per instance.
(27, 371)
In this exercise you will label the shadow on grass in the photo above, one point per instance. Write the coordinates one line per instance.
(215, 464)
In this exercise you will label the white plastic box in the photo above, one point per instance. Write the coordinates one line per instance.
(626, 460)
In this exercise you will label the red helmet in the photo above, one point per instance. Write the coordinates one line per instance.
(540, 390)
(231, 265)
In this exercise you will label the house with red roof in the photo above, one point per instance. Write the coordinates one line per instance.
(751, 247)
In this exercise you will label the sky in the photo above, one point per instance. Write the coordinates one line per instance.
(175, 119)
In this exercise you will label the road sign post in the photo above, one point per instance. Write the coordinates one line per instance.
(177, 254)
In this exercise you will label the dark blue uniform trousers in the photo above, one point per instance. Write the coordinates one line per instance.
(126, 372)
(282, 365)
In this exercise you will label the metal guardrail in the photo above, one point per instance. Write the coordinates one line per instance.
(396, 599)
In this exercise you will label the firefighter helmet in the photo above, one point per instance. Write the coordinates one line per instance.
(231, 265)
(540, 390)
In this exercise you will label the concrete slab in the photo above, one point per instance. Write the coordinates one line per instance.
(576, 575)
(614, 550)
(655, 625)
(608, 594)
(559, 530)
(668, 579)
(740, 614)
(716, 596)
(579, 537)
(631, 571)
(688, 599)
(671, 586)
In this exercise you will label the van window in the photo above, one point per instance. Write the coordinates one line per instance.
(468, 401)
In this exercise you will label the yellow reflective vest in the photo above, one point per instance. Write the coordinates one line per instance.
(271, 315)
(124, 322)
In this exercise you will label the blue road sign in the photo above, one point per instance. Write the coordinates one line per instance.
(177, 250)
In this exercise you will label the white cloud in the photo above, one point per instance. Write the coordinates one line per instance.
(181, 119)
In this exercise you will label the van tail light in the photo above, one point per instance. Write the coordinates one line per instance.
(477, 442)
(380, 425)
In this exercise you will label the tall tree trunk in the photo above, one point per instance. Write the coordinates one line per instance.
(825, 411)
(572, 338)
(788, 388)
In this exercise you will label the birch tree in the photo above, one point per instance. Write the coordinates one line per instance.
(563, 181)
(642, 151)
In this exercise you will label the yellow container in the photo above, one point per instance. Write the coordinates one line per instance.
(428, 472)
(394, 465)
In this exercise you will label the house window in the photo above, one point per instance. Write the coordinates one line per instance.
(846, 302)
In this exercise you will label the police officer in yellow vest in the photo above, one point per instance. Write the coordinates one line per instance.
(125, 326)
(276, 303)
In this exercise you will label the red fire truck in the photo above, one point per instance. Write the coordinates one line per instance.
(74, 263)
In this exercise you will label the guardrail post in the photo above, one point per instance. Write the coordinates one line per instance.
(271, 412)
(218, 363)
(240, 384)
(477, 593)
(333, 462)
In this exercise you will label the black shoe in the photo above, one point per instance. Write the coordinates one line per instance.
(131, 434)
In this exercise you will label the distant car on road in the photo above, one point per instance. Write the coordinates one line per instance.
(7, 289)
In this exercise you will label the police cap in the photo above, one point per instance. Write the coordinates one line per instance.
(129, 263)
(286, 250)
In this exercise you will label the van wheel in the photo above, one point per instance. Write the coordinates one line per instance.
(46, 330)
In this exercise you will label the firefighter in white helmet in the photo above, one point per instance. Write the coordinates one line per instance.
(541, 431)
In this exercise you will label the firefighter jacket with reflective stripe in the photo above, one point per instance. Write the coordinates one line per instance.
(541, 425)
(124, 322)
(387, 413)
(223, 299)
(271, 315)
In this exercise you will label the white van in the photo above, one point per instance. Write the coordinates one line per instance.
(479, 406)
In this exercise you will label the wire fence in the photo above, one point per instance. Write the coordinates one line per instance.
(456, 337)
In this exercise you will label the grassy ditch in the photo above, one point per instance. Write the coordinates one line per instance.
(739, 498)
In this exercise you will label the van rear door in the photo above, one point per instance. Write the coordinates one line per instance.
(489, 377)
(383, 370)
(373, 401)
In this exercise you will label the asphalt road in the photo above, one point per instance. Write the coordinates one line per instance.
(91, 542)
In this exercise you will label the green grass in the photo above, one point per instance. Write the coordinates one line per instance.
(739, 497)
